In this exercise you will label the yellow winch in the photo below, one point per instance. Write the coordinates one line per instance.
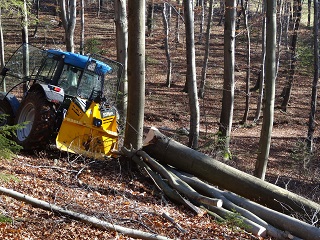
(89, 128)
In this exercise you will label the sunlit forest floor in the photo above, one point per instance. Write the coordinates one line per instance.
(112, 191)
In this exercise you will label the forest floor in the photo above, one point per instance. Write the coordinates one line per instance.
(114, 192)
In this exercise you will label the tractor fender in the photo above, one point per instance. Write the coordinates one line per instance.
(12, 100)
(53, 93)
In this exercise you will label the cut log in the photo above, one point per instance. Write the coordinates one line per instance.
(233, 203)
(79, 216)
(245, 223)
(172, 194)
(180, 185)
(294, 226)
(168, 151)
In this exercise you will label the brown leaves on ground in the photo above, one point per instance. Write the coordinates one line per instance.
(109, 190)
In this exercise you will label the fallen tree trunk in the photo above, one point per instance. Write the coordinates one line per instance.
(188, 160)
(162, 185)
(279, 220)
(180, 185)
(261, 215)
(79, 216)
(247, 224)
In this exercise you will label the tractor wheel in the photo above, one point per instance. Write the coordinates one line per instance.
(38, 115)
(5, 108)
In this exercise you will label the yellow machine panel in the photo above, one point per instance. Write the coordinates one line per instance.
(88, 130)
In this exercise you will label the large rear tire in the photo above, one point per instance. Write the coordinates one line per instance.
(5, 108)
(39, 115)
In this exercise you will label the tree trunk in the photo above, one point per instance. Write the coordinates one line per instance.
(79, 216)
(293, 58)
(37, 17)
(245, 5)
(259, 214)
(309, 12)
(2, 62)
(261, 77)
(179, 185)
(277, 219)
(188, 160)
(150, 18)
(228, 83)
(82, 27)
(191, 76)
(313, 108)
(201, 4)
(68, 17)
(177, 32)
(136, 74)
(166, 43)
(122, 53)
(25, 41)
(268, 112)
(206, 53)
(282, 20)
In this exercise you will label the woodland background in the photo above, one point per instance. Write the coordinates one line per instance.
(109, 189)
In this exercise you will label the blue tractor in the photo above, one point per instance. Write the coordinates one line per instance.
(61, 97)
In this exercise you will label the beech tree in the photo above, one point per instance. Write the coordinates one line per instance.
(228, 83)
(244, 8)
(68, 14)
(268, 111)
(261, 77)
(122, 53)
(136, 74)
(206, 53)
(82, 27)
(297, 9)
(1, 42)
(191, 76)
(314, 92)
(166, 42)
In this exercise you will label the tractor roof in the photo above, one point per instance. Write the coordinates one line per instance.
(81, 61)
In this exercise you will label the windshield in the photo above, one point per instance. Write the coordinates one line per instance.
(69, 79)
(90, 85)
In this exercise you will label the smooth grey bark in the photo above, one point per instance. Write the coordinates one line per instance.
(245, 6)
(268, 111)
(2, 62)
(177, 32)
(166, 43)
(261, 78)
(191, 76)
(314, 92)
(24, 22)
(136, 74)
(297, 11)
(25, 41)
(122, 52)
(202, 5)
(68, 16)
(82, 19)
(206, 52)
(282, 21)
(228, 82)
